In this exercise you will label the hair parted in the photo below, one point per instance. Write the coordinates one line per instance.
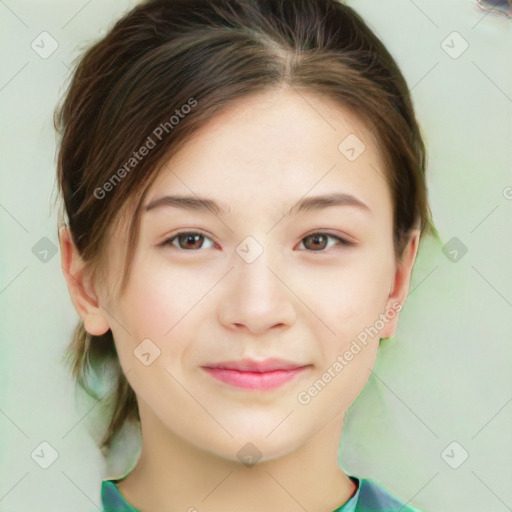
(188, 60)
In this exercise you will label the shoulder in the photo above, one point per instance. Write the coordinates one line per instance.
(375, 498)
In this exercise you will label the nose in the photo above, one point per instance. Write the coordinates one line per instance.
(257, 296)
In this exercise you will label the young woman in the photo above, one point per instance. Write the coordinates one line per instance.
(244, 189)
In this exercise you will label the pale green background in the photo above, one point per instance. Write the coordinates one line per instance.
(444, 377)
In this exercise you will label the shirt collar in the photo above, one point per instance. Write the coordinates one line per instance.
(113, 501)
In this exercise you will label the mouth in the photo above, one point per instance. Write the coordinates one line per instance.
(250, 374)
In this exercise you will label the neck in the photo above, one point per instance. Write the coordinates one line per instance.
(172, 474)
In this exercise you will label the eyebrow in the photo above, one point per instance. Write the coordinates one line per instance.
(313, 203)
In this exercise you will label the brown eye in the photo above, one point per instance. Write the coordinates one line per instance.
(188, 241)
(191, 241)
(318, 241)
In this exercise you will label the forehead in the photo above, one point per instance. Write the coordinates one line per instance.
(268, 150)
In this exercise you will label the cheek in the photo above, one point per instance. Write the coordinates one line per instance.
(153, 341)
(339, 381)
(155, 302)
(160, 304)
(144, 315)
(355, 372)
(351, 297)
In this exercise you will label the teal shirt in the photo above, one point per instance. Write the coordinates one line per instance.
(369, 497)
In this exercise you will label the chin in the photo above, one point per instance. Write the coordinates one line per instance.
(254, 445)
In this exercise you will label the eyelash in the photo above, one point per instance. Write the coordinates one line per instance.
(168, 241)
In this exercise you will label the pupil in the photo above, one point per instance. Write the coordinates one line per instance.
(191, 239)
(316, 238)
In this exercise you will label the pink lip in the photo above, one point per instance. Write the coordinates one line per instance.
(250, 374)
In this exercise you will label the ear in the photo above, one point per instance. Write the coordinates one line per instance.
(83, 296)
(402, 280)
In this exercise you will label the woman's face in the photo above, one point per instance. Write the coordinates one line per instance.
(262, 279)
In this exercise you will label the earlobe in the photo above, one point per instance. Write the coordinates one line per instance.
(82, 295)
(400, 288)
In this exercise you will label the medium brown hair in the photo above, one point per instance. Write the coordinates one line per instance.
(165, 54)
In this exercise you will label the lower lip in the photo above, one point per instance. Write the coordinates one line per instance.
(254, 380)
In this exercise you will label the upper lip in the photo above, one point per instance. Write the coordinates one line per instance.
(250, 365)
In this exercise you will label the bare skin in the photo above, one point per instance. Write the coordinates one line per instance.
(208, 304)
